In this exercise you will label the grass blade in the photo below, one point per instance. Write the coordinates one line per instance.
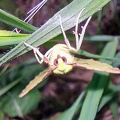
(52, 27)
(97, 86)
(68, 114)
(8, 87)
(16, 22)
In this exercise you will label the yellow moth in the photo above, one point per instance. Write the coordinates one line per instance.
(60, 60)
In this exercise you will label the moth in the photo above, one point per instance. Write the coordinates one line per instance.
(60, 59)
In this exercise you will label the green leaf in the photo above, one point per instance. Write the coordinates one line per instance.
(101, 38)
(16, 22)
(5, 33)
(68, 114)
(95, 91)
(11, 38)
(110, 93)
(16, 38)
(51, 28)
(97, 86)
(115, 61)
(114, 108)
(87, 54)
(14, 106)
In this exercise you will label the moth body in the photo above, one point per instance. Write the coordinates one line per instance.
(61, 60)
(61, 57)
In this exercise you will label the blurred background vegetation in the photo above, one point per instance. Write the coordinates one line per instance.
(79, 95)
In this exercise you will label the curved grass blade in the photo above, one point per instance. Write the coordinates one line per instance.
(97, 87)
(16, 22)
(8, 87)
(108, 95)
(68, 114)
(114, 108)
(87, 54)
(16, 106)
(92, 99)
(52, 28)
(115, 60)
(101, 38)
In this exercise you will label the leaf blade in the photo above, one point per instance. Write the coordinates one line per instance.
(52, 28)
(97, 87)
(16, 22)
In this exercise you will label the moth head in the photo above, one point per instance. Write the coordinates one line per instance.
(61, 64)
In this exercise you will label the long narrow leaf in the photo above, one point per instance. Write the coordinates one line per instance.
(52, 28)
(16, 39)
(68, 114)
(87, 54)
(8, 87)
(97, 86)
(108, 95)
(11, 38)
(114, 108)
(16, 22)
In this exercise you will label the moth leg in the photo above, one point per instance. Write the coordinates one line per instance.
(16, 30)
(38, 54)
(79, 40)
(47, 54)
(76, 29)
(64, 35)
(82, 33)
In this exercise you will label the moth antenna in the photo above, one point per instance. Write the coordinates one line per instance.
(76, 29)
(37, 6)
(82, 33)
(33, 12)
(64, 35)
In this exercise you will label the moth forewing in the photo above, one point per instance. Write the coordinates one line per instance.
(39, 78)
(91, 64)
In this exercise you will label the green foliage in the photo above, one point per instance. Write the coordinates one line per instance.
(14, 21)
(51, 28)
(11, 38)
(10, 103)
(68, 114)
(14, 106)
(98, 93)
(96, 87)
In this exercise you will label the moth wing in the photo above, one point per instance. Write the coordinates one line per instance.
(91, 64)
(39, 78)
